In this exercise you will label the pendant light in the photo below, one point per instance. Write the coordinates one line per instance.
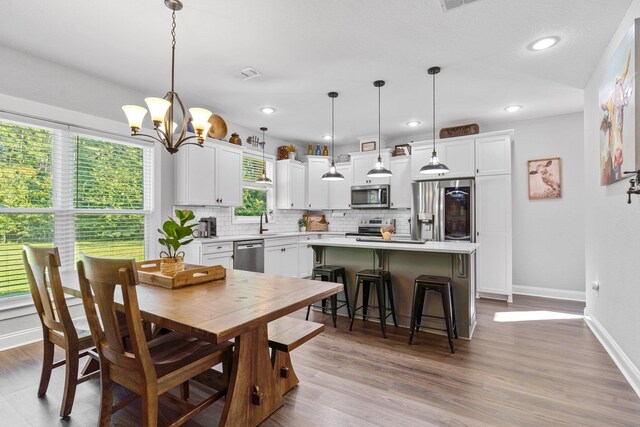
(162, 109)
(379, 171)
(264, 179)
(434, 166)
(333, 174)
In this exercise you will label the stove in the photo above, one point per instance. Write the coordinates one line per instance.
(371, 226)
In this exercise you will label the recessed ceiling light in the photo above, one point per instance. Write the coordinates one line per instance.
(513, 108)
(413, 123)
(545, 43)
(327, 137)
(268, 110)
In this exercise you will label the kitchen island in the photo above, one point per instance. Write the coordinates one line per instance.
(406, 260)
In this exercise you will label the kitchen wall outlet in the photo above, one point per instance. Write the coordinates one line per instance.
(595, 285)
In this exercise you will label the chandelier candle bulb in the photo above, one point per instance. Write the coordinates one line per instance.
(135, 115)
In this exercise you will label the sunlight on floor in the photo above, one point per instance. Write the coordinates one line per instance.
(526, 316)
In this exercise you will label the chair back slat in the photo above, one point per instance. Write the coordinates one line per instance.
(42, 268)
(100, 278)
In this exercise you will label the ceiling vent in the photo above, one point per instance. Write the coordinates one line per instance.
(248, 73)
(448, 5)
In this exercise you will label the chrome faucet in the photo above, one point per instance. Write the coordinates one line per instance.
(266, 221)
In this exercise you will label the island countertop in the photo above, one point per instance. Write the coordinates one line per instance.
(440, 247)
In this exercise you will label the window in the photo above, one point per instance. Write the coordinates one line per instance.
(78, 192)
(256, 198)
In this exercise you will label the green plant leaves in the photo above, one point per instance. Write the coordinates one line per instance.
(174, 233)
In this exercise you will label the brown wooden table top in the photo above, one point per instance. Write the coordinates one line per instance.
(223, 309)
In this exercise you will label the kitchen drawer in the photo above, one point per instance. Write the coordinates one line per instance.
(302, 239)
(216, 247)
(281, 241)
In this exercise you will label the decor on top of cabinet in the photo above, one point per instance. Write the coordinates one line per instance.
(316, 222)
(174, 235)
(402, 150)
(434, 166)
(283, 152)
(344, 158)
(218, 129)
(302, 224)
(462, 130)
(368, 146)
(387, 231)
(162, 110)
(545, 179)
(291, 151)
(235, 139)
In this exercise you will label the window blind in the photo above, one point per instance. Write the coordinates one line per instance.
(82, 193)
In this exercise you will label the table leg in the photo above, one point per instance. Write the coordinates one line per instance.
(253, 392)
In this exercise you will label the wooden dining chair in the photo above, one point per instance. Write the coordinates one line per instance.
(153, 367)
(41, 265)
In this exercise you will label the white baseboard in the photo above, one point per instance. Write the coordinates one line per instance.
(550, 293)
(17, 339)
(626, 366)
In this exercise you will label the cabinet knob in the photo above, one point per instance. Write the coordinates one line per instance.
(309, 204)
(477, 170)
(291, 204)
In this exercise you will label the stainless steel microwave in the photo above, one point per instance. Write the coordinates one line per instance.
(370, 197)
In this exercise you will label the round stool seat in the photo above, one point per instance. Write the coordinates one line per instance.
(428, 279)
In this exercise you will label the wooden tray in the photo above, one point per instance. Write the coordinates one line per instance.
(149, 272)
(316, 222)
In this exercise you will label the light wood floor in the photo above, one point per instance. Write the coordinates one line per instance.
(525, 373)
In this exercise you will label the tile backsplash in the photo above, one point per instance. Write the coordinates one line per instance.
(287, 220)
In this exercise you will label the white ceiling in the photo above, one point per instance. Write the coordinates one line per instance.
(306, 48)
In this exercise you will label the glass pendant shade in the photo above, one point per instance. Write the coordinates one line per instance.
(379, 171)
(157, 108)
(135, 115)
(333, 174)
(200, 118)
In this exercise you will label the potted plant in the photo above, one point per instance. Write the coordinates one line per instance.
(174, 235)
(302, 223)
(292, 151)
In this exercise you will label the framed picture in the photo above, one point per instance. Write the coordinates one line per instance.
(402, 150)
(368, 146)
(617, 99)
(545, 179)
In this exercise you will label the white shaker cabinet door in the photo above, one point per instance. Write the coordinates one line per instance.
(401, 182)
(493, 155)
(195, 176)
(229, 176)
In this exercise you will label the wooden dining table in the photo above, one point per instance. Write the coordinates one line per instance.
(238, 307)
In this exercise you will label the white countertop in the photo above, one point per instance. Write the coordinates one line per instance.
(268, 235)
(441, 247)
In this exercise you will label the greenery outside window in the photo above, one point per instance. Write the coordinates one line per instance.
(78, 192)
(256, 198)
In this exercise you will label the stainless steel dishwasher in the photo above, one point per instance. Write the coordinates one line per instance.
(248, 255)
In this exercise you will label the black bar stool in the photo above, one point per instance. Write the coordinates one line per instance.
(382, 281)
(423, 284)
(330, 273)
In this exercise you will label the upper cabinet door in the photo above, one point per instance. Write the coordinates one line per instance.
(340, 191)
(317, 189)
(401, 182)
(296, 185)
(493, 155)
(229, 176)
(458, 156)
(363, 163)
(195, 175)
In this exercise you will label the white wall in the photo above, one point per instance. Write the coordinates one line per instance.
(548, 235)
(612, 247)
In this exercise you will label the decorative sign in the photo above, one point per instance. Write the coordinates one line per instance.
(368, 146)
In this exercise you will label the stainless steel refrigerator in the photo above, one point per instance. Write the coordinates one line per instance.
(443, 210)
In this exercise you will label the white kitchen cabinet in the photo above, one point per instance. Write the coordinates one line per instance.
(362, 163)
(340, 191)
(493, 234)
(305, 255)
(290, 193)
(209, 253)
(400, 182)
(317, 190)
(281, 256)
(210, 175)
(493, 155)
(457, 154)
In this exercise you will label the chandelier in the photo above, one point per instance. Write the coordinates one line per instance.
(162, 110)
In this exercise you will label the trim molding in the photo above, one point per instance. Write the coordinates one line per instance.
(624, 364)
(550, 293)
(17, 339)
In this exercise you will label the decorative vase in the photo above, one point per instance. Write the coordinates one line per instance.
(235, 139)
(303, 229)
(386, 235)
(171, 266)
(292, 155)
